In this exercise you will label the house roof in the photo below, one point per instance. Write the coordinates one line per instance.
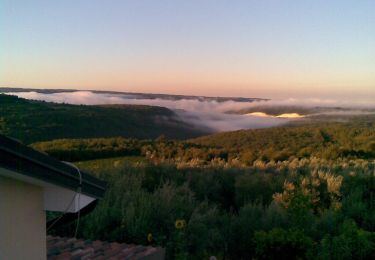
(71, 248)
(24, 160)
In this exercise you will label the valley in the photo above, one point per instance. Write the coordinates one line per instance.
(300, 187)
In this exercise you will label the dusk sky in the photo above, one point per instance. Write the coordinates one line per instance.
(249, 48)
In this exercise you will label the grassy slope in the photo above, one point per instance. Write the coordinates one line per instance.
(32, 121)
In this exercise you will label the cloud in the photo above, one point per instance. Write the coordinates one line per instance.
(91, 98)
(228, 122)
(77, 97)
(316, 102)
(205, 113)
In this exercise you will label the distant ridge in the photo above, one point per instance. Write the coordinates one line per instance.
(33, 121)
(137, 95)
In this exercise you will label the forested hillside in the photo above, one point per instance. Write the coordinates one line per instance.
(307, 208)
(282, 193)
(245, 147)
(32, 121)
(297, 192)
(327, 140)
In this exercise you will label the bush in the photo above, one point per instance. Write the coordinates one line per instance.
(282, 244)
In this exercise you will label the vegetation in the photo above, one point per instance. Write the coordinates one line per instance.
(221, 195)
(309, 208)
(301, 192)
(33, 121)
(354, 140)
(240, 148)
(88, 149)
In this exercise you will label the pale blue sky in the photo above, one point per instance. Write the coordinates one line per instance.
(211, 47)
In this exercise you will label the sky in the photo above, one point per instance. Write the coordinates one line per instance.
(249, 48)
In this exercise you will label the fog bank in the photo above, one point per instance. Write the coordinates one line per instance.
(208, 114)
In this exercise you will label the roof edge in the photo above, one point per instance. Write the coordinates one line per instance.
(18, 157)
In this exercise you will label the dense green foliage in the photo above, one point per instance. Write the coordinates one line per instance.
(356, 140)
(308, 208)
(32, 121)
(316, 202)
(87, 149)
(240, 148)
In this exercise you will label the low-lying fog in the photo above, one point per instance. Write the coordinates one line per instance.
(218, 116)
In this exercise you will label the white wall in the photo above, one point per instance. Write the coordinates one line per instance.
(22, 220)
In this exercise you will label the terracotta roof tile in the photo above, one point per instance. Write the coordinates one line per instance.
(61, 248)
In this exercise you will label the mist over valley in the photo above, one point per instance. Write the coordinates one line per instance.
(214, 114)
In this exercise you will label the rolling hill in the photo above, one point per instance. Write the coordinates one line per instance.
(33, 121)
(330, 140)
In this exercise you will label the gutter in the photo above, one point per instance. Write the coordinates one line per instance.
(23, 159)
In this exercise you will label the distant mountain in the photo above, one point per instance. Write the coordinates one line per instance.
(135, 95)
(33, 121)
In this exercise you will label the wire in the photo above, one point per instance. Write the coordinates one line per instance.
(64, 212)
(79, 190)
(78, 193)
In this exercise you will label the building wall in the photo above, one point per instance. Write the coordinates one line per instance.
(22, 220)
